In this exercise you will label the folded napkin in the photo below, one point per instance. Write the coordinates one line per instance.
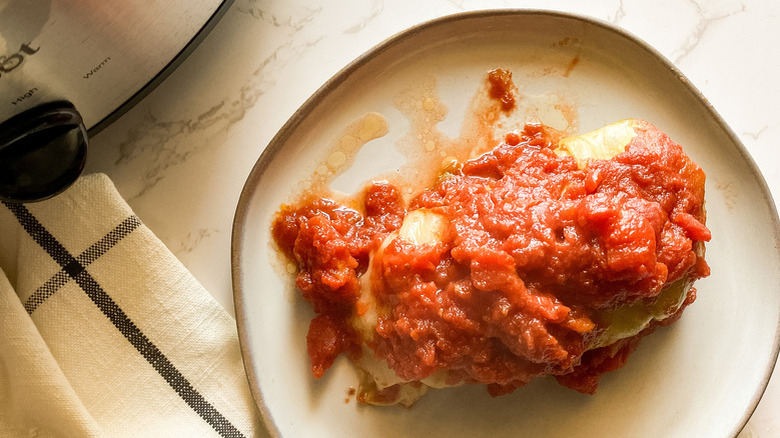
(103, 332)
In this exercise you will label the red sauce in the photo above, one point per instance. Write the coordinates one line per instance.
(535, 247)
(501, 88)
(573, 63)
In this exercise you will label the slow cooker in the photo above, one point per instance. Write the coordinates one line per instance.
(70, 67)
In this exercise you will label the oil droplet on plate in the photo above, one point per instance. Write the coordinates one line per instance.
(337, 159)
(348, 143)
(371, 127)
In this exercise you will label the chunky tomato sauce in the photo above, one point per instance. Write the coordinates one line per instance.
(535, 249)
(501, 88)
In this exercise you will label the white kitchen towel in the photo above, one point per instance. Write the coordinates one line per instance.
(103, 332)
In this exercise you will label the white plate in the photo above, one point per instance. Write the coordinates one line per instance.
(702, 376)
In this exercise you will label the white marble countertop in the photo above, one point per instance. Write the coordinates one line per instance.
(180, 157)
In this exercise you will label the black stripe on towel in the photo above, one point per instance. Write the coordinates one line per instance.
(76, 269)
(91, 254)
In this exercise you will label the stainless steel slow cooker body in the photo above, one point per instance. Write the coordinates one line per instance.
(68, 68)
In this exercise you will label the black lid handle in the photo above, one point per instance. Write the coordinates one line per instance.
(42, 152)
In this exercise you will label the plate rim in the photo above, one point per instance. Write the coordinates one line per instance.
(275, 145)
